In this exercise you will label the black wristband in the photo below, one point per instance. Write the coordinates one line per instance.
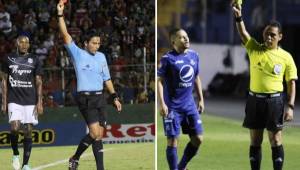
(291, 106)
(60, 15)
(238, 19)
(114, 96)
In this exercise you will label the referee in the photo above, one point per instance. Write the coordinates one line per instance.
(269, 65)
(92, 73)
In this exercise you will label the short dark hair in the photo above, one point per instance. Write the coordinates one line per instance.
(173, 32)
(274, 23)
(90, 34)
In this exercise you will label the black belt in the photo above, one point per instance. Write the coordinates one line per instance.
(88, 93)
(264, 95)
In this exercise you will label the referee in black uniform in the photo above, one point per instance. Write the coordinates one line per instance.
(270, 65)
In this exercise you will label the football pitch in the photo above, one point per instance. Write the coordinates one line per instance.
(134, 156)
(226, 144)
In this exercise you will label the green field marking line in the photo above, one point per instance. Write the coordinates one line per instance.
(66, 160)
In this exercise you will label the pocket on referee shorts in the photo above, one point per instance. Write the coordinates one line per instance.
(250, 109)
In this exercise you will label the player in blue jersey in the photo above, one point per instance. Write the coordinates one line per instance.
(92, 74)
(22, 97)
(178, 76)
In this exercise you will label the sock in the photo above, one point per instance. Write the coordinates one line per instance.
(98, 153)
(189, 152)
(172, 157)
(278, 157)
(14, 143)
(27, 144)
(83, 145)
(255, 157)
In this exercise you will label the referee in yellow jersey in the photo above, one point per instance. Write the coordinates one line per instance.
(269, 66)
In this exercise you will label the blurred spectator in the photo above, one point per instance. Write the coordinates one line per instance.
(258, 19)
(142, 96)
(5, 47)
(128, 93)
(49, 101)
(43, 18)
(73, 30)
(69, 100)
(5, 23)
(12, 7)
(119, 64)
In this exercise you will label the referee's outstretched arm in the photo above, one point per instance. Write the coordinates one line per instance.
(61, 23)
(237, 10)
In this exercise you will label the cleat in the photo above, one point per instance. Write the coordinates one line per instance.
(16, 162)
(26, 167)
(73, 164)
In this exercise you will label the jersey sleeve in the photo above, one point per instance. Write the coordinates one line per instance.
(161, 71)
(105, 71)
(198, 64)
(73, 50)
(291, 70)
(251, 46)
(38, 68)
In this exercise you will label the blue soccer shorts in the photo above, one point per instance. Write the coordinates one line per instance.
(190, 123)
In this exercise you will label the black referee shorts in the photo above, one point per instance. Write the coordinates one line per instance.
(264, 112)
(91, 107)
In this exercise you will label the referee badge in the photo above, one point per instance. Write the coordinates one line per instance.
(277, 69)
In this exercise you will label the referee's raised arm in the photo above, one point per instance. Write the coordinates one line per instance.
(61, 23)
(237, 11)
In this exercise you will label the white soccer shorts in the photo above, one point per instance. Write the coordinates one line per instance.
(24, 113)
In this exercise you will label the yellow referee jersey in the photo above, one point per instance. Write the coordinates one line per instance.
(268, 67)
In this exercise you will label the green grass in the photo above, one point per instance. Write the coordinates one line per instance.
(226, 144)
(139, 156)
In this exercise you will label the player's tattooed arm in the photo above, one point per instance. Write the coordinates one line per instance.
(4, 92)
(163, 106)
(240, 25)
(39, 89)
(62, 24)
(291, 92)
(199, 94)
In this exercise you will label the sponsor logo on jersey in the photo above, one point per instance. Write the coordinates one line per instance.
(19, 83)
(186, 74)
(277, 69)
(15, 69)
(179, 62)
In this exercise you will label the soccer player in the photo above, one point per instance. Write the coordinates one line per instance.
(178, 74)
(92, 73)
(269, 65)
(22, 97)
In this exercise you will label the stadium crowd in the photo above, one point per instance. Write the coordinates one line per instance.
(126, 28)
